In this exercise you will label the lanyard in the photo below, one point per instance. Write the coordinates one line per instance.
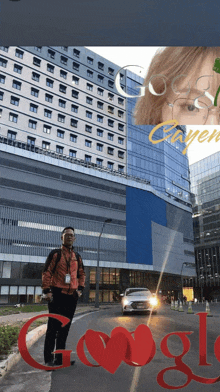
(68, 261)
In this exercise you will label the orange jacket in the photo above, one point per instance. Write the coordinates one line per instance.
(68, 264)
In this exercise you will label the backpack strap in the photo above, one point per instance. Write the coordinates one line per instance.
(50, 257)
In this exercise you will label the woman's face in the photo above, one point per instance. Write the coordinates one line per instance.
(193, 102)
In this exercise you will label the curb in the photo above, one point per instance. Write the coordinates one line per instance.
(31, 338)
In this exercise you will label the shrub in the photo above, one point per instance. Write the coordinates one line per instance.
(8, 337)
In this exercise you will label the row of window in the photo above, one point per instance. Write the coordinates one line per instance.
(60, 117)
(73, 138)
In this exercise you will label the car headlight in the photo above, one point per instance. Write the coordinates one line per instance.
(126, 302)
(153, 301)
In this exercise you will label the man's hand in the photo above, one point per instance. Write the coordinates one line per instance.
(79, 292)
(48, 296)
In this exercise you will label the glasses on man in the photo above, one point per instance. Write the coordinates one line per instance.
(186, 113)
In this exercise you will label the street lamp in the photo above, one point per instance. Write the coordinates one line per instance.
(97, 267)
(187, 264)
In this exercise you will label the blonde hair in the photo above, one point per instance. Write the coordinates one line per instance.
(170, 62)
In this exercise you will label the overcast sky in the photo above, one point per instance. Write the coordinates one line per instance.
(142, 55)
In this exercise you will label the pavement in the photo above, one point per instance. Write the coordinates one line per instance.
(15, 373)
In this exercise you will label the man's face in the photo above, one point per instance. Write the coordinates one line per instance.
(68, 238)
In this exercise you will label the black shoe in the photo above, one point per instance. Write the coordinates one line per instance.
(51, 364)
(58, 363)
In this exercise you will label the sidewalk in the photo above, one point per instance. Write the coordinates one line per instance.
(16, 375)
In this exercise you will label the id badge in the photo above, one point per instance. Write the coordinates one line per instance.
(67, 278)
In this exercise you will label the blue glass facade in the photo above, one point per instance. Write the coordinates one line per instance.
(163, 164)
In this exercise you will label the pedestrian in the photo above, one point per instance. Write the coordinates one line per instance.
(177, 76)
(63, 281)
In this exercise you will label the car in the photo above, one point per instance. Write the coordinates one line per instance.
(139, 299)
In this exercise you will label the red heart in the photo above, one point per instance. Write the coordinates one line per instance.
(111, 356)
(142, 348)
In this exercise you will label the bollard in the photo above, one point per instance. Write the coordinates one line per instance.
(189, 310)
(207, 309)
(176, 305)
(172, 306)
(181, 307)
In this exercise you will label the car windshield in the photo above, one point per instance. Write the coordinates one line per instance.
(138, 292)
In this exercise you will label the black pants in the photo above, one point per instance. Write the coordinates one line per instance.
(56, 335)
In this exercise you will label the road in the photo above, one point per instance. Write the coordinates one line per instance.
(80, 377)
(127, 378)
(115, 22)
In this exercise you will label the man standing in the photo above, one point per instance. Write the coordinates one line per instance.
(63, 281)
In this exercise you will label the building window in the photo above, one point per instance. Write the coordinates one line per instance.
(2, 79)
(74, 108)
(5, 48)
(49, 83)
(76, 53)
(50, 68)
(121, 127)
(62, 88)
(72, 153)
(73, 138)
(75, 66)
(111, 71)
(110, 136)
(89, 74)
(100, 78)
(51, 54)
(88, 114)
(99, 147)
(16, 84)
(111, 97)
(110, 151)
(13, 117)
(60, 134)
(121, 168)
(120, 114)
(100, 104)
(11, 135)
(45, 145)
(62, 103)
(63, 60)
(31, 141)
(38, 48)
(120, 101)
(88, 128)
(63, 74)
(100, 91)
(35, 76)
(110, 165)
(75, 80)
(75, 94)
(19, 53)
(110, 109)
(100, 66)
(61, 118)
(33, 108)
(65, 48)
(89, 86)
(89, 100)
(110, 123)
(99, 161)
(73, 123)
(89, 60)
(3, 62)
(17, 68)
(1, 95)
(32, 124)
(99, 132)
(88, 143)
(48, 98)
(120, 140)
(36, 61)
(14, 101)
(110, 84)
(88, 158)
(47, 129)
(121, 154)
(34, 92)
(47, 113)
(59, 149)
(100, 118)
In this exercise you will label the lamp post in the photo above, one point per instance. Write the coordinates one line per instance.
(97, 267)
(187, 264)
